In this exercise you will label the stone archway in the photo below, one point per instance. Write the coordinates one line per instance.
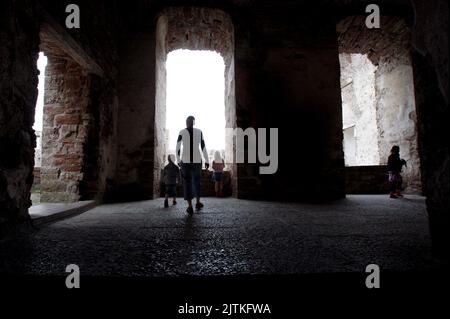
(378, 103)
(194, 29)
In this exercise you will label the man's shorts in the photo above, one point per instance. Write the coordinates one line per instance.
(171, 190)
(217, 176)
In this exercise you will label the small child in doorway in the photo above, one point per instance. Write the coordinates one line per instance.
(171, 177)
(395, 165)
(218, 165)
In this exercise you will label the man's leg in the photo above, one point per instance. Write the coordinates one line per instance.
(187, 185)
(166, 200)
(196, 175)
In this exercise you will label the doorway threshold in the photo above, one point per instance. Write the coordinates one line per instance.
(50, 212)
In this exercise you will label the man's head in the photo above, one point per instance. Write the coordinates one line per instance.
(190, 121)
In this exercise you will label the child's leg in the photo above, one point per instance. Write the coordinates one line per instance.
(216, 188)
(392, 187)
(399, 186)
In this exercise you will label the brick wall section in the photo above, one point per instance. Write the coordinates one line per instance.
(20, 42)
(37, 177)
(65, 128)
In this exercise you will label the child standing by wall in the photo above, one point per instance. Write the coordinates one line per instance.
(171, 177)
(395, 165)
(218, 166)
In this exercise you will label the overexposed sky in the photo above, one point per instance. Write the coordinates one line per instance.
(195, 86)
(41, 64)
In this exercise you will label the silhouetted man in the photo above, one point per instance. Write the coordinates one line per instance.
(190, 160)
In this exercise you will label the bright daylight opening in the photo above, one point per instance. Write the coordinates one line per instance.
(39, 112)
(38, 126)
(196, 86)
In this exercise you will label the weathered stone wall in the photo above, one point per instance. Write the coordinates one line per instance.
(366, 179)
(431, 67)
(161, 147)
(21, 24)
(396, 116)
(37, 177)
(287, 77)
(38, 149)
(65, 129)
(136, 120)
(389, 89)
(19, 43)
(108, 136)
(359, 108)
(96, 43)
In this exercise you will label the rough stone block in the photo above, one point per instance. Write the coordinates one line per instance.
(69, 119)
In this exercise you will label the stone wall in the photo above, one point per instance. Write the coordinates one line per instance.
(381, 96)
(37, 177)
(287, 77)
(396, 116)
(19, 41)
(22, 23)
(38, 149)
(366, 180)
(94, 48)
(359, 108)
(66, 123)
(431, 66)
(136, 120)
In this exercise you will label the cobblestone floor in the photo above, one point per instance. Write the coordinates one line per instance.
(229, 237)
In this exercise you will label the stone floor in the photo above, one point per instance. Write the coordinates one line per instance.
(35, 198)
(230, 237)
(47, 212)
